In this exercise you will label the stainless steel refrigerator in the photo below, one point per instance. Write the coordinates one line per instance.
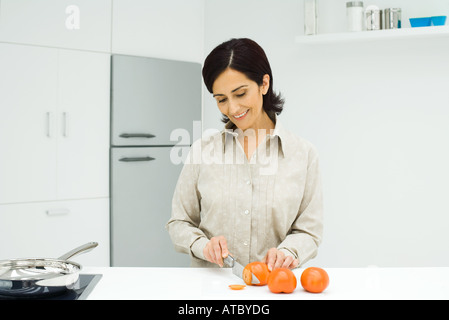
(149, 99)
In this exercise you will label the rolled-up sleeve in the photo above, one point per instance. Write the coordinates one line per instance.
(307, 229)
(183, 225)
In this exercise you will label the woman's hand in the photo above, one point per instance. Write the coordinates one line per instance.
(277, 259)
(216, 249)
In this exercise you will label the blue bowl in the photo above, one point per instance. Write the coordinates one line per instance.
(420, 22)
(438, 20)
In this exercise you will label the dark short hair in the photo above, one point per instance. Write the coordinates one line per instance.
(246, 56)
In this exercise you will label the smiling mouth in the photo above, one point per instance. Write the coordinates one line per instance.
(241, 115)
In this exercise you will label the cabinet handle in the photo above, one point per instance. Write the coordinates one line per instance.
(64, 124)
(57, 212)
(136, 159)
(47, 120)
(137, 135)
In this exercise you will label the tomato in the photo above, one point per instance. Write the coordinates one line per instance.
(314, 279)
(282, 280)
(259, 270)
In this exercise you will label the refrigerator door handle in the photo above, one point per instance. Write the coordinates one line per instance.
(137, 135)
(136, 159)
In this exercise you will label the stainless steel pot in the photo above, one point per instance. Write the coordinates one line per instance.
(35, 277)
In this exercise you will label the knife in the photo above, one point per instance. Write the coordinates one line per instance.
(237, 269)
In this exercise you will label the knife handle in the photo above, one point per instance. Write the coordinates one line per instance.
(229, 260)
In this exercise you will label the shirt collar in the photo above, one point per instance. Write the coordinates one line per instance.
(279, 131)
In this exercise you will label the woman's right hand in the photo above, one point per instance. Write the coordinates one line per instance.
(216, 249)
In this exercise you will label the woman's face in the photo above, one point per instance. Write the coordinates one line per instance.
(240, 98)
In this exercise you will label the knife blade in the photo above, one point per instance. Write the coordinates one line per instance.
(237, 269)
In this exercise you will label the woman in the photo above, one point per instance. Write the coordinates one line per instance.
(242, 201)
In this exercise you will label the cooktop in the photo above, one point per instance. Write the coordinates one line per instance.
(81, 290)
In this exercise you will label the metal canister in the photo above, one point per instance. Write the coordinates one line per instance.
(373, 18)
(392, 18)
(354, 15)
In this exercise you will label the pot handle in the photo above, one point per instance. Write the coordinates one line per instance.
(81, 249)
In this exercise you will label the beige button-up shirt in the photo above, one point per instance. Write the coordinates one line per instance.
(274, 199)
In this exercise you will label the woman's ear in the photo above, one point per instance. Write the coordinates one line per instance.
(265, 84)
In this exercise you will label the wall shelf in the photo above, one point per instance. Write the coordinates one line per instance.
(393, 34)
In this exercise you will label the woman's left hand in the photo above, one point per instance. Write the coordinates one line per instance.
(277, 259)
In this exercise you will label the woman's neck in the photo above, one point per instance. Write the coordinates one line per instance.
(254, 135)
(261, 126)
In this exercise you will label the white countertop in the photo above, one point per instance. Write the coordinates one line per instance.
(211, 284)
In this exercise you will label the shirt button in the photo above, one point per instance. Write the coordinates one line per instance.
(246, 211)
(248, 182)
(245, 243)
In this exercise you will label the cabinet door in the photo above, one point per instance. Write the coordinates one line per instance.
(49, 229)
(83, 125)
(143, 182)
(78, 24)
(27, 123)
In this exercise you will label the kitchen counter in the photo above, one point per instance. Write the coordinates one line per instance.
(211, 284)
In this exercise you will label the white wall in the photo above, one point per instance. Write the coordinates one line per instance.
(378, 114)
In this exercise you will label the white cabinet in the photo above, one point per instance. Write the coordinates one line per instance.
(49, 229)
(83, 118)
(54, 124)
(28, 97)
(54, 152)
(75, 24)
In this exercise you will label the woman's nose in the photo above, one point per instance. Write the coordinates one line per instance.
(234, 108)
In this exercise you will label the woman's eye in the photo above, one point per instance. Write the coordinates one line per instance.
(237, 95)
